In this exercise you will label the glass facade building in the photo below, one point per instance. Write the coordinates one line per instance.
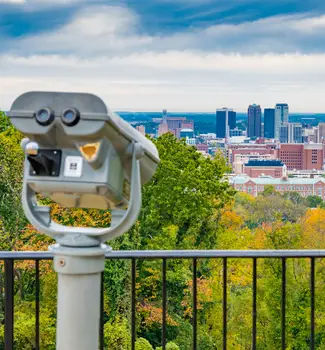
(225, 121)
(269, 123)
(254, 121)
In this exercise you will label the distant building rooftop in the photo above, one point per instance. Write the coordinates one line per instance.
(264, 162)
(268, 180)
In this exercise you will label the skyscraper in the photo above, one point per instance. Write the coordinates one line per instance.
(225, 121)
(281, 117)
(291, 133)
(284, 133)
(294, 133)
(321, 132)
(283, 110)
(254, 121)
(269, 122)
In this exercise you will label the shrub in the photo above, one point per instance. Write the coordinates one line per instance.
(117, 335)
(142, 344)
(169, 346)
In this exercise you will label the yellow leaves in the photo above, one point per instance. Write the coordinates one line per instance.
(204, 294)
(261, 233)
(236, 239)
(80, 217)
(231, 220)
(313, 229)
(32, 240)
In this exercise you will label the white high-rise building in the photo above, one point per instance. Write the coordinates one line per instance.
(281, 117)
(294, 133)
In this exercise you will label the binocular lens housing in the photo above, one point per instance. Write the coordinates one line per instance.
(70, 117)
(44, 116)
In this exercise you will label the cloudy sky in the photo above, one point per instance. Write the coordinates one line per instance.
(183, 55)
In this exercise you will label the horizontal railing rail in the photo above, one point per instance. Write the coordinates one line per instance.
(178, 254)
(9, 259)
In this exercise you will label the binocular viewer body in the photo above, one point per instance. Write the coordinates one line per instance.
(80, 154)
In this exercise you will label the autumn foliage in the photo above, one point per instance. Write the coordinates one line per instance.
(187, 205)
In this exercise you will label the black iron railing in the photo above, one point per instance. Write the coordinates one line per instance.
(9, 259)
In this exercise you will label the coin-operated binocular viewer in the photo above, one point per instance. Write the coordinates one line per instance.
(80, 155)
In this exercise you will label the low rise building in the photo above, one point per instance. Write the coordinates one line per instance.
(202, 147)
(302, 156)
(190, 141)
(141, 129)
(272, 167)
(304, 186)
(240, 160)
(246, 149)
(184, 133)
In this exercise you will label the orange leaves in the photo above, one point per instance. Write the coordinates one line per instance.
(231, 220)
(32, 240)
(153, 315)
(204, 295)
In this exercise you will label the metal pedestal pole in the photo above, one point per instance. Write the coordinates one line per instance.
(79, 273)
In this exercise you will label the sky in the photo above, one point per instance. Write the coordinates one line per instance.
(180, 55)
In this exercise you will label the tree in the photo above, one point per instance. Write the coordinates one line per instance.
(314, 201)
(12, 218)
(187, 191)
(4, 122)
(273, 208)
(268, 190)
(181, 209)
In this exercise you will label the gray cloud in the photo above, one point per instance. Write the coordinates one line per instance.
(102, 50)
(112, 30)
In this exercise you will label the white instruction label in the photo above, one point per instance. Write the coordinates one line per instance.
(73, 166)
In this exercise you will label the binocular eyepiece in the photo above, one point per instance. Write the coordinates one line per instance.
(45, 116)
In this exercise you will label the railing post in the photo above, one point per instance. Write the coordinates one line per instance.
(254, 311)
(37, 308)
(133, 302)
(164, 304)
(224, 305)
(101, 316)
(194, 304)
(312, 303)
(9, 304)
(283, 304)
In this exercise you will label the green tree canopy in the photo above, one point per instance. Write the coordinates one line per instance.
(12, 218)
(186, 192)
(314, 201)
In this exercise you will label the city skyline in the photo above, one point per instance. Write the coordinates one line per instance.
(180, 55)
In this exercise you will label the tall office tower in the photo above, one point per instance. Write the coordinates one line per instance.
(321, 132)
(281, 116)
(254, 121)
(283, 110)
(164, 113)
(284, 131)
(294, 133)
(269, 119)
(225, 121)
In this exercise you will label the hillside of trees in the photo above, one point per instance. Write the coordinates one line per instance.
(187, 205)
